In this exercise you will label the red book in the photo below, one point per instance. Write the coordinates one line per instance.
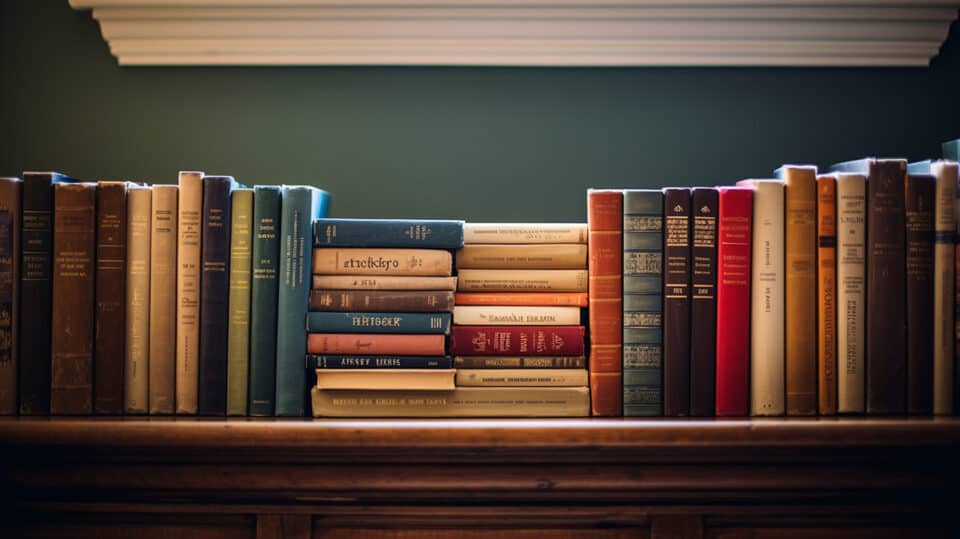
(375, 344)
(516, 341)
(605, 263)
(733, 300)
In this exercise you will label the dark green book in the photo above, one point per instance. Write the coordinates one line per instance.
(238, 327)
(263, 299)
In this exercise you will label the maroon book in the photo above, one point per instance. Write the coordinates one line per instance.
(517, 341)
(110, 316)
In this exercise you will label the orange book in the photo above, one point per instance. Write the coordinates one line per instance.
(827, 291)
(605, 248)
(375, 344)
(526, 299)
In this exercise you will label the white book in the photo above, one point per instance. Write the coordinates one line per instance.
(945, 223)
(525, 233)
(851, 291)
(469, 315)
(163, 299)
(137, 356)
(190, 207)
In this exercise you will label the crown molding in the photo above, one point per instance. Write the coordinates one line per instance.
(524, 32)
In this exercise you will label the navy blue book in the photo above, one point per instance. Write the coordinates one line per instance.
(263, 299)
(214, 295)
(314, 361)
(424, 234)
(354, 322)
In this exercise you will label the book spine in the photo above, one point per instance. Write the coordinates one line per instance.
(71, 339)
(919, 208)
(380, 282)
(851, 299)
(605, 263)
(238, 329)
(388, 233)
(524, 233)
(676, 303)
(426, 262)
(379, 379)
(516, 316)
(517, 340)
(541, 256)
(381, 301)
(561, 299)
(137, 341)
(827, 294)
(470, 280)
(163, 300)
(886, 294)
(263, 299)
(642, 303)
(299, 207)
(314, 361)
(110, 313)
(733, 300)
(521, 378)
(11, 192)
(520, 362)
(372, 322)
(956, 309)
(375, 344)
(214, 296)
(703, 308)
(943, 316)
(189, 233)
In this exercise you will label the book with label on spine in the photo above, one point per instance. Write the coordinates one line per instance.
(420, 233)
(378, 322)
(575, 299)
(676, 302)
(605, 263)
(316, 361)
(524, 233)
(386, 379)
(919, 209)
(521, 377)
(263, 299)
(481, 315)
(375, 344)
(383, 282)
(300, 206)
(137, 342)
(703, 308)
(642, 302)
(189, 232)
(536, 256)
(11, 191)
(163, 300)
(110, 315)
(767, 352)
(238, 330)
(364, 261)
(429, 301)
(520, 362)
(526, 280)
(733, 300)
(517, 340)
(851, 291)
(826, 295)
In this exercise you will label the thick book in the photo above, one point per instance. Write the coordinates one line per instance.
(461, 402)
(521, 377)
(300, 206)
(214, 295)
(703, 308)
(386, 379)
(538, 256)
(851, 291)
(533, 299)
(524, 233)
(676, 302)
(733, 300)
(919, 212)
(767, 351)
(110, 316)
(517, 340)
(71, 337)
(137, 316)
(484, 315)
(375, 344)
(944, 293)
(189, 232)
(520, 362)
(525, 280)
(11, 193)
(801, 287)
(383, 282)
(826, 295)
(263, 299)
(163, 300)
(374, 322)
(238, 330)
(642, 366)
(419, 233)
(364, 261)
(317, 361)
(387, 301)
(605, 263)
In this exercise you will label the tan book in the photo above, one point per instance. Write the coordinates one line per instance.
(163, 298)
(386, 379)
(476, 315)
(522, 377)
(135, 394)
(537, 256)
(461, 402)
(520, 362)
(851, 292)
(826, 295)
(382, 282)
(477, 280)
(524, 233)
(945, 221)
(190, 208)
(354, 261)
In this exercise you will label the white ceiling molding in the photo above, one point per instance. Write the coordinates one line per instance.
(524, 32)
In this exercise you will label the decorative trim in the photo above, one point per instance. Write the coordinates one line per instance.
(524, 32)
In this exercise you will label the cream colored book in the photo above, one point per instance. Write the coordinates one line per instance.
(537, 256)
(136, 374)
(386, 379)
(354, 261)
(851, 292)
(521, 377)
(476, 315)
(943, 282)
(382, 282)
(163, 298)
(525, 233)
(477, 280)
(190, 208)
(461, 402)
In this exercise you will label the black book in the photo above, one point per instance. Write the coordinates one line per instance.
(676, 302)
(920, 192)
(703, 307)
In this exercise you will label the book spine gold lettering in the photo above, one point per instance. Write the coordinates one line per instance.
(426, 262)
(827, 291)
(238, 331)
(520, 316)
(383, 282)
(521, 377)
(480, 280)
(540, 256)
(524, 233)
(190, 207)
(851, 286)
(520, 362)
(605, 263)
(163, 299)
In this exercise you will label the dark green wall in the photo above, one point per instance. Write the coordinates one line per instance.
(472, 143)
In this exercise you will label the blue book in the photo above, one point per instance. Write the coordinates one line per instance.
(354, 322)
(314, 361)
(642, 302)
(300, 206)
(263, 299)
(424, 234)
(951, 150)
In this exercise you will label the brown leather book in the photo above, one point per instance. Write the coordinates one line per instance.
(827, 290)
(11, 195)
(74, 235)
(110, 317)
(605, 292)
(703, 308)
(919, 204)
(676, 302)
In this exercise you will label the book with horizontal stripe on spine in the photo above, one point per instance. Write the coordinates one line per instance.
(320, 361)
(524, 233)
(482, 315)
(383, 282)
(420, 233)
(378, 322)
(111, 278)
(517, 340)
(526, 280)
(851, 291)
(365, 261)
(429, 301)
(703, 308)
(520, 362)
(375, 344)
(521, 377)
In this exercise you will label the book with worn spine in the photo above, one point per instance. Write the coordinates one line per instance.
(11, 192)
(605, 263)
(826, 295)
(340, 361)
(163, 300)
(383, 282)
(733, 300)
(526, 280)
(482, 315)
(676, 302)
(517, 340)
(919, 211)
(520, 362)
(378, 322)
(108, 346)
(429, 301)
(386, 379)
(263, 299)
(511, 256)
(521, 377)
(420, 233)
(137, 342)
(365, 261)
(189, 233)
(238, 329)
(375, 344)
(703, 308)
(524, 233)
(851, 291)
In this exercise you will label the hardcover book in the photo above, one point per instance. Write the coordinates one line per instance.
(110, 316)
(386, 379)
(919, 210)
(356, 261)
(521, 377)
(676, 303)
(605, 263)
(851, 291)
(515, 316)
(517, 340)
(383, 282)
(381, 300)
(316, 361)
(238, 330)
(703, 308)
(574, 299)
(424, 234)
(11, 192)
(827, 293)
(189, 232)
(163, 300)
(374, 322)
(537, 256)
(520, 362)
(375, 344)
(137, 341)
(524, 233)
(529, 280)
(263, 299)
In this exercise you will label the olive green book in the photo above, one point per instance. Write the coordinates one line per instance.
(238, 330)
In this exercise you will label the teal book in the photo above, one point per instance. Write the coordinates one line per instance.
(642, 302)
(263, 299)
(238, 326)
(300, 206)
(379, 322)
(951, 150)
